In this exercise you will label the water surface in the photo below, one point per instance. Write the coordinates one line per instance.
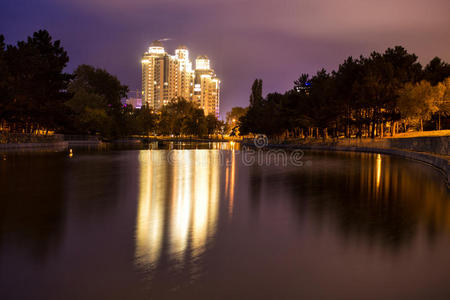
(200, 224)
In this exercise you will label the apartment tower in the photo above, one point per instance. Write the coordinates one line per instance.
(166, 76)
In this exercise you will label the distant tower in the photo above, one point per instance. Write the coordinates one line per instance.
(165, 77)
(206, 86)
(185, 81)
(160, 73)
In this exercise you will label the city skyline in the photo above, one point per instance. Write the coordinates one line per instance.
(165, 77)
(244, 39)
(240, 149)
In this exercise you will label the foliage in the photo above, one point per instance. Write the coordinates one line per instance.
(98, 93)
(212, 124)
(363, 97)
(253, 121)
(182, 117)
(100, 82)
(89, 113)
(235, 113)
(145, 122)
(232, 125)
(444, 96)
(418, 102)
(436, 71)
(32, 83)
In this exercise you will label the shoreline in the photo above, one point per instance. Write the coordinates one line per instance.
(439, 162)
(49, 146)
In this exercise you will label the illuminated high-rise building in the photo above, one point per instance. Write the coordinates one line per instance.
(206, 86)
(165, 77)
(185, 79)
(160, 74)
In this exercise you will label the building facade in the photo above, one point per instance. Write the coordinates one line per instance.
(165, 77)
(133, 99)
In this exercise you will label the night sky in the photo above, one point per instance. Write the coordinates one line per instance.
(272, 40)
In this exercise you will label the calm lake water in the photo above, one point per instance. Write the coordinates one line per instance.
(201, 224)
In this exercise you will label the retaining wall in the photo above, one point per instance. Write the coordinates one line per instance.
(56, 146)
(435, 145)
(434, 151)
(437, 161)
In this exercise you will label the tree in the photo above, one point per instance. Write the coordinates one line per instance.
(212, 124)
(383, 75)
(100, 82)
(252, 121)
(145, 121)
(363, 92)
(442, 93)
(5, 94)
(256, 95)
(96, 93)
(436, 71)
(232, 119)
(444, 102)
(235, 113)
(302, 84)
(180, 116)
(346, 79)
(36, 83)
(418, 102)
(323, 106)
(194, 123)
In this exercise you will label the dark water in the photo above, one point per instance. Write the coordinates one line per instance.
(131, 225)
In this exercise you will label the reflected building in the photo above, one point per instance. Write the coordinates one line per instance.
(150, 216)
(178, 205)
(230, 179)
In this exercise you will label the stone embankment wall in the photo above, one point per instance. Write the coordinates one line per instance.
(53, 146)
(435, 145)
(431, 150)
(30, 142)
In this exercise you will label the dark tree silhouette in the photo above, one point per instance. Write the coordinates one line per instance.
(436, 71)
(36, 85)
(360, 98)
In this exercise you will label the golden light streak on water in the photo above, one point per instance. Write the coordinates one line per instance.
(201, 199)
(378, 171)
(193, 203)
(232, 181)
(149, 225)
(181, 203)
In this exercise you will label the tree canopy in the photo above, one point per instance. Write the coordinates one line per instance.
(33, 85)
(370, 96)
(36, 94)
(96, 105)
(182, 117)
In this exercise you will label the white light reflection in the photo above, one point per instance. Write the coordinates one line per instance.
(191, 194)
(149, 227)
(181, 202)
(229, 183)
(206, 193)
(378, 171)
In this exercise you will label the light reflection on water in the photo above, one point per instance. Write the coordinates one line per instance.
(188, 202)
(230, 179)
(132, 224)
